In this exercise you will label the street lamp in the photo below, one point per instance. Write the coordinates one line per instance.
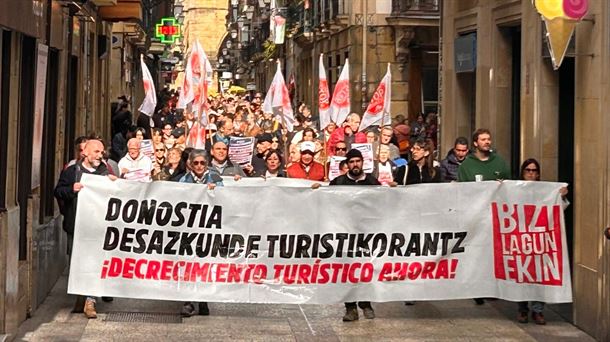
(240, 22)
(229, 44)
(225, 52)
(234, 3)
(249, 12)
(221, 60)
(245, 33)
(233, 33)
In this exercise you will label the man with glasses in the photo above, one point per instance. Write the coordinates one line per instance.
(455, 157)
(199, 174)
(159, 159)
(356, 176)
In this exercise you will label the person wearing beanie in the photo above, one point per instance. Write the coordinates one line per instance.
(356, 176)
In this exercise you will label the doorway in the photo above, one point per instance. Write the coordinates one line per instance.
(26, 131)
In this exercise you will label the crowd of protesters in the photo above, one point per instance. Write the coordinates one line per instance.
(155, 148)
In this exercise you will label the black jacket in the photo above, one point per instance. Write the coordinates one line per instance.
(414, 176)
(65, 195)
(449, 167)
(345, 180)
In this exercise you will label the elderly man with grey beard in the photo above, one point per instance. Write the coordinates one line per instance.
(66, 193)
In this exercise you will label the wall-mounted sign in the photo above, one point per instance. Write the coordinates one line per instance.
(167, 31)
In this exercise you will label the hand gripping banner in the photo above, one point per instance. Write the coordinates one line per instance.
(282, 242)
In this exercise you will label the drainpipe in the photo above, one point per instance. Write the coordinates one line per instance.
(364, 30)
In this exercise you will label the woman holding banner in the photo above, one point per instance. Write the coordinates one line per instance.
(530, 171)
(422, 168)
(199, 174)
(273, 163)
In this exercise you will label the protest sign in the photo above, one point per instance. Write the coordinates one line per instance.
(183, 242)
(241, 150)
(367, 154)
(333, 167)
(147, 148)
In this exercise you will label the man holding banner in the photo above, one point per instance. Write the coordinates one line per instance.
(66, 192)
(356, 176)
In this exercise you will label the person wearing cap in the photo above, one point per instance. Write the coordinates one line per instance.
(307, 168)
(356, 176)
(263, 145)
(180, 138)
(225, 131)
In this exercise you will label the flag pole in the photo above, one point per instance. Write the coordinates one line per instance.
(382, 125)
(284, 136)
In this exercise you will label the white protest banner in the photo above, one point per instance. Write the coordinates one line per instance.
(367, 154)
(147, 148)
(333, 167)
(241, 150)
(176, 241)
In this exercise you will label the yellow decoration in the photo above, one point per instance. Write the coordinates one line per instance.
(559, 32)
(550, 9)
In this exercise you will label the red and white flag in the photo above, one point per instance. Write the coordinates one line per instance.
(277, 100)
(340, 105)
(323, 97)
(198, 70)
(379, 107)
(150, 99)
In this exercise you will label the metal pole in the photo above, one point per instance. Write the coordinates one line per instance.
(364, 30)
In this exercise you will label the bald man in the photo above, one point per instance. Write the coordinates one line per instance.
(135, 165)
(66, 193)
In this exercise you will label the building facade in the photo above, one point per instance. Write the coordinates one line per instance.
(496, 73)
(402, 33)
(55, 85)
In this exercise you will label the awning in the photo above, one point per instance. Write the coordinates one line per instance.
(124, 10)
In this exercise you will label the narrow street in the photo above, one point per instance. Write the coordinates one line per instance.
(459, 320)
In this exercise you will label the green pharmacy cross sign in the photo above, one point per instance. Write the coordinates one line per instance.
(167, 31)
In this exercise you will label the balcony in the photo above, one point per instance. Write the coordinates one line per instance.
(124, 10)
(415, 13)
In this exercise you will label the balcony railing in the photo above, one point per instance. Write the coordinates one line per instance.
(326, 10)
(414, 7)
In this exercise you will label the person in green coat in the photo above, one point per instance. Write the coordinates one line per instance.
(483, 164)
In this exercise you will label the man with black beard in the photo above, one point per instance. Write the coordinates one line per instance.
(356, 176)
(66, 193)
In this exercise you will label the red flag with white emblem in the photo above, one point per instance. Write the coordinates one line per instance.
(378, 111)
(323, 97)
(340, 105)
(150, 99)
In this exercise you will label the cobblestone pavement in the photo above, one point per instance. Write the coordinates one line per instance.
(458, 320)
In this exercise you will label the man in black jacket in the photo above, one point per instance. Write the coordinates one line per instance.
(356, 176)
(455, 157)
(66, 193)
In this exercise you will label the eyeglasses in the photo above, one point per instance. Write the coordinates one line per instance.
(159, 150)
(198, 162)
(530, 170)
(341, 148)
